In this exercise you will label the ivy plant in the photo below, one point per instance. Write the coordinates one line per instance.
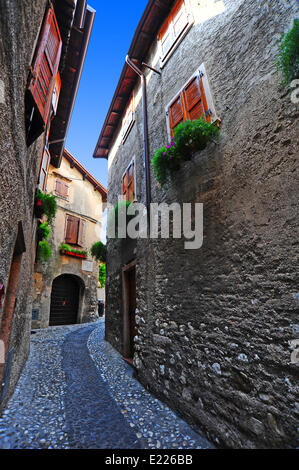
(287, 61)
(44, 250)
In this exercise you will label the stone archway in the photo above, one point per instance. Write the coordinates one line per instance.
(66, 296)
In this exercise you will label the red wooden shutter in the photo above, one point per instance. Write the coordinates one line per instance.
(72, 225)
(176, 114)
(45, 65)
(195, 100)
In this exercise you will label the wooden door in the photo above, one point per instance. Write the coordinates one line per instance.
(64, 301)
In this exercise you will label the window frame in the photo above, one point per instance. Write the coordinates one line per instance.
(125, 130)
(202, 73)
(164, 57)
(43, 186)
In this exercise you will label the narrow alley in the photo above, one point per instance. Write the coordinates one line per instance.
(76, 392)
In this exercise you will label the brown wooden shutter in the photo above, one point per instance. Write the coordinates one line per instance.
(176, 114)
(81, 230)
(195, 100)
(72, 225)
(61, 188)
(45, 65)
(65, 190)
(128, 189)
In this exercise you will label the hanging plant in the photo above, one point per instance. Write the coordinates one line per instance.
(45, 204)
(43, 231)
(44, 250)
(287, 61)
(99, 251)
(189, 137)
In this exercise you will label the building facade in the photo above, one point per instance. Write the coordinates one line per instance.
(65, 286)
(42, 52)
(210, 330)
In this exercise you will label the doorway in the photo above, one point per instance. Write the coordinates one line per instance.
(129, 307)
(64, 301)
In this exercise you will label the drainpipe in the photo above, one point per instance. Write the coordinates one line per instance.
(145, 137)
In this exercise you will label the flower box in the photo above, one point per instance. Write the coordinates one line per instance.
(74, 254)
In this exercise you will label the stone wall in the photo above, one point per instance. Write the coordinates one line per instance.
(19, 28)
(214, 325)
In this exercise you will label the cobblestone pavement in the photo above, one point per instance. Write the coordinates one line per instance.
(76, 392)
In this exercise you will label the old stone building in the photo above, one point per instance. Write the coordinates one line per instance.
(65, 286)
(42, 51)
(210, 330)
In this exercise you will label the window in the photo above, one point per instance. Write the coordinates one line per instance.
(42, 77)
(128, 119)
(174, 28)
(128, 186)
(61, 189)
(43, 173)
(74, 231)
(194, 101)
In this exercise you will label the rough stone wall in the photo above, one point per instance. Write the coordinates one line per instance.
(19, 28)
(214, 325)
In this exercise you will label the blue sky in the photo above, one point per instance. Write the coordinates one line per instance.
(113, 30)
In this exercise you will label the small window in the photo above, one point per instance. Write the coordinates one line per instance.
(43, 73)
(174, 28)
(128, 119)
(128, 183)
(43, 173)
(61, 189)
(194, 101)
(74, 233)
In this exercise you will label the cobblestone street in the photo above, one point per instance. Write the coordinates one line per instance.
(76, 392)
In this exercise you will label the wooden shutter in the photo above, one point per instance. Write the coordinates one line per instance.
(128, 188)
(61, 188)
(176, 113)
(45, 65)
(72, 226)
(195, 100)
(81, 230)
